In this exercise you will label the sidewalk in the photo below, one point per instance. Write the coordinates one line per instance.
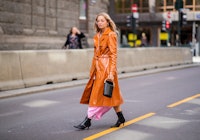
(18, 92)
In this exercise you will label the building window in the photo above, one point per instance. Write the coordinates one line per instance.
(83, 22)
(168, 5)
(124, 6)
(164, 5)
(143, 6)
(170, 2)
(83, 9)
(192, 5)
(188, 2)
(197, 5)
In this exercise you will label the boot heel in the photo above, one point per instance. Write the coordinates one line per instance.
(121, 120)
(85, 124)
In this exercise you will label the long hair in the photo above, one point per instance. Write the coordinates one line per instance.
(111, 23)
(70, 31)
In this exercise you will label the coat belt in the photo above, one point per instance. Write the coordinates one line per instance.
(97, 63)
(101, 56)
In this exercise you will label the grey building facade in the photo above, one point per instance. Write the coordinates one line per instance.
(44, 24)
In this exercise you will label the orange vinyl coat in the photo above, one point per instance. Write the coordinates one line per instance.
(103, 64)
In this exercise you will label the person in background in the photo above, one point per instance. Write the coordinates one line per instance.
(74, 39)
(103, 68)
(144, 40)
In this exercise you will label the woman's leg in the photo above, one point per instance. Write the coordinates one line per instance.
(97, 112)
(120, 116)
(93, 113)
(85, 124)
(117, 108)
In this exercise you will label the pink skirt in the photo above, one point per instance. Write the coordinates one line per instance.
(97, 112)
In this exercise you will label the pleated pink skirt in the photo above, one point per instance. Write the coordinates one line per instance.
(97, 112)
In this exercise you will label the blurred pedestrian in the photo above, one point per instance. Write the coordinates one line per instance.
(103, 68)
(144, 40)
(74, 39)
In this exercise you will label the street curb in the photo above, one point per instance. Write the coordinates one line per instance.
(31, 90)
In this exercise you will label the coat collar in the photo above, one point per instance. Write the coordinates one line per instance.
(107, 31)
(97, 37)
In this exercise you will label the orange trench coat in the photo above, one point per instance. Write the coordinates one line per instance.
(103, 64)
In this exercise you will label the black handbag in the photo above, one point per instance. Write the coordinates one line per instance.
(108, 89)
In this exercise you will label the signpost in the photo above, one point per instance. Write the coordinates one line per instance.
(168, 24)
(179, 6)
(134, 9)
(132, 21)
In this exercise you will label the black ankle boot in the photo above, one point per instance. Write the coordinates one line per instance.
(120, 120)
(85, 124)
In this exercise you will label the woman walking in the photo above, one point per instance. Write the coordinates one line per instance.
(103, 68)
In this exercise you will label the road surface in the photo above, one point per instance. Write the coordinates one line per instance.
(158, 106)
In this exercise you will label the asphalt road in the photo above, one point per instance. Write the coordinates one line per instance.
(149, 110)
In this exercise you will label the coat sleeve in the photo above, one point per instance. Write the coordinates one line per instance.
(112, 44)
(81, 35)
(67, 40)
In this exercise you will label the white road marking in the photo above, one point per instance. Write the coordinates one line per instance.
(164, 122)
(171, 78)
(10, 113)
(133, 101)
(40, 103)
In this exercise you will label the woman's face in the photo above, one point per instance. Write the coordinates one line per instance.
(74, 30)
(101, 22)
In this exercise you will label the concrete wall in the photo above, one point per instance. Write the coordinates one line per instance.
(147, 58)
(20, 69)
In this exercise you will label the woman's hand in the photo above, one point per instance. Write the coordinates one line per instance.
(77, 31)
(110, 77)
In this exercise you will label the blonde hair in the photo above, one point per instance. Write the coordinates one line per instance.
(111, 23)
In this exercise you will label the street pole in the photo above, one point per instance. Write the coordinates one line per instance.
(169, 21)
(193, 37)
(134, 32)
(179, 6)
(179, 28)
(134, 10)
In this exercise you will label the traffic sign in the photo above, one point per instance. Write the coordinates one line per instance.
(198, 16)
(134, 8)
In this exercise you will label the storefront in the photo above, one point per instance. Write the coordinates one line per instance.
(151, 16)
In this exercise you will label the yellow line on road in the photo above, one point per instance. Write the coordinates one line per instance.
(92, 137)
(183, 101)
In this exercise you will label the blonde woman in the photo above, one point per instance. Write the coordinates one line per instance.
(103, 68)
